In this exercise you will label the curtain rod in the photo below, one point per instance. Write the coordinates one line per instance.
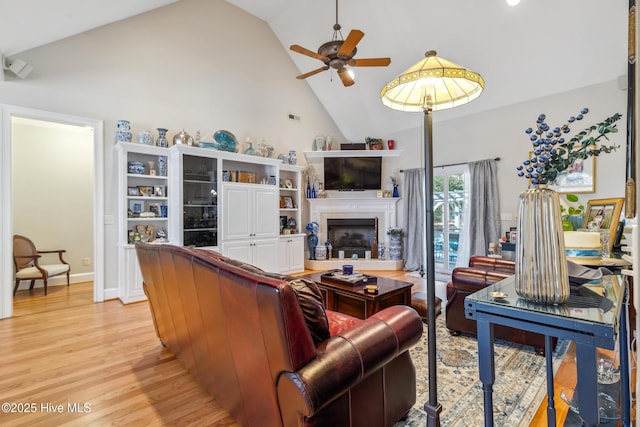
(497, 159)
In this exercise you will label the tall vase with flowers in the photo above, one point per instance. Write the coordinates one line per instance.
(541, 265)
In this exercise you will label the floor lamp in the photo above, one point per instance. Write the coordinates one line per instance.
(430, 85)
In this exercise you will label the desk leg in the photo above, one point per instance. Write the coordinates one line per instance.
(587, 386)
(486, 366)
(623, 338)
(551, 408)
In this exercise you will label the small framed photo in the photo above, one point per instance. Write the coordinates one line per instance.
(155, 209)
(146, 191)
(288, 183)
(288, 202)
(158, 191)
(133, 191)
(283, 222)
(603, 214)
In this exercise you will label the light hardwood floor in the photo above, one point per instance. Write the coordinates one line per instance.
(62, 352)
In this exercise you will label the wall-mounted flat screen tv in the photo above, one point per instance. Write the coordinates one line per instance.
(352, 173)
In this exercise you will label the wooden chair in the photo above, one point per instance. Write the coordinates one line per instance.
(26, 260)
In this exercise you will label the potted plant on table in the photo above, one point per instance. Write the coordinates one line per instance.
(572, 215)
(374, 143)
(395, 243)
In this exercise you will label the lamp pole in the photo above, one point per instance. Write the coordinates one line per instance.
(432, 407)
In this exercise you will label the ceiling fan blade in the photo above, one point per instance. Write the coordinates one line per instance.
(302, 50)
(345, 77)
(370, 62)
(350, 43)
(312, 73)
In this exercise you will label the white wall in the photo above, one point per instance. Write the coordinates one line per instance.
(197, 64)
(52, 185)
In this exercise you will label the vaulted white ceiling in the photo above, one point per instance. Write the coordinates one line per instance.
(537, 48)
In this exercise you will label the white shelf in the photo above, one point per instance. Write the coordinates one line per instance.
(351, 153)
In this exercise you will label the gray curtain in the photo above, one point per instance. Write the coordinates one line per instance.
(484, 209)
(413, 225)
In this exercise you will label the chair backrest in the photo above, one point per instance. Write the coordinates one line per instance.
(24, 252)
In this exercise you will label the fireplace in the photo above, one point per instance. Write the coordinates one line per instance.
(352, 235)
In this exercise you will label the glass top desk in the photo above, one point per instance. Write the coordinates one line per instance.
(593, 317)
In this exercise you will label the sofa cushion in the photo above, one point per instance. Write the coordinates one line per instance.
(310, 300)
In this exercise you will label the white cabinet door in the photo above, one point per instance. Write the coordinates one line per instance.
(291, 254)
(283, 254)
(266, 254)
(238, 213)
(250, 211)
(266, 212)
(296, 254)
(262, 253)
(241, 250)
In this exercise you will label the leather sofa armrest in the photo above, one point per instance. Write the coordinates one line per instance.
(344, 359)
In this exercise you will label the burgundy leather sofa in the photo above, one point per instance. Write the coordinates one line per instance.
(266, 349)
(482, 272)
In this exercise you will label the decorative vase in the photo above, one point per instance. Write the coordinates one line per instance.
(250, 150)
(312, 242)
(391, 144)
(541, 264)
(162, 166)
(396, 193)
(395, 248)
(145, 137)
(308, 189)
(293, 158)
(576, 221)
(162, 138)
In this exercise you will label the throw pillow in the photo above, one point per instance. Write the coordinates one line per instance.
(310, 300)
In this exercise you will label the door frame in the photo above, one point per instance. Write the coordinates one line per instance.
(6, 214)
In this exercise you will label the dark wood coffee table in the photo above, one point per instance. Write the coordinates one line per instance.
(352, 300)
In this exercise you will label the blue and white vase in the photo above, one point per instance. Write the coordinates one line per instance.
(162, 138)
(162, 166)
(395, 248)
(293, 158)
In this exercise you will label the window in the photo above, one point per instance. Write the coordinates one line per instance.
(450, 201)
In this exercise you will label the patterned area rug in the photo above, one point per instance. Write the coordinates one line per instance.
(519, 388)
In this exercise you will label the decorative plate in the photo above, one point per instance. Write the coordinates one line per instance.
(226, 140)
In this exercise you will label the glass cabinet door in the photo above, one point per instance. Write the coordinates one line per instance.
(200, 201)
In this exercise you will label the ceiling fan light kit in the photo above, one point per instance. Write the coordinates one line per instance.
(338, 54)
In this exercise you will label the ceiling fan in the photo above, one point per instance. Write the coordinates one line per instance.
(339, 54)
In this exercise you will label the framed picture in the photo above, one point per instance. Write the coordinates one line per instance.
(580, 177)
(155, 209)
(133, 191)
(146, 191)
(288, 183)
(288, 202)
(283, 222)
(158, 191)
(604, 214)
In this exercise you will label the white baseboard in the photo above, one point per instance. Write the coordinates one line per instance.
(59, 280)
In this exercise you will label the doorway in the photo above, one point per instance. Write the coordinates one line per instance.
(21, 125)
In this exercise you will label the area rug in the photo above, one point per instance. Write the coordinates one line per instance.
(519, 388)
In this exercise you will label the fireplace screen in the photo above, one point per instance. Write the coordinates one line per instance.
(351, 235)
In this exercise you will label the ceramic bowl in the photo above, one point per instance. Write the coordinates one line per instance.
(135, 167)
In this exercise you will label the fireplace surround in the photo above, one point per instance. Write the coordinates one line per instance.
(382, 208)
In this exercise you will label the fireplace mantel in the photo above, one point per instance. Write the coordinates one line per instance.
(384, 208)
